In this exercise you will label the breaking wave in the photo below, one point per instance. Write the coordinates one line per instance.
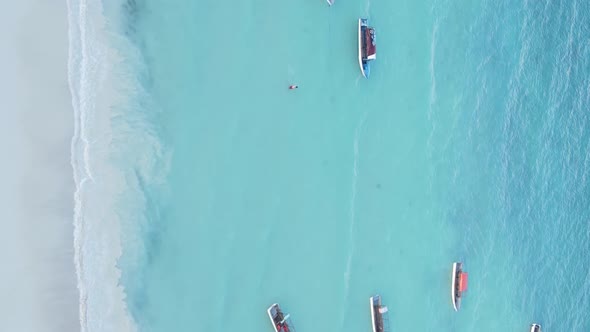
(117, 158)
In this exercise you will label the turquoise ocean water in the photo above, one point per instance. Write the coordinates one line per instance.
(207, 190)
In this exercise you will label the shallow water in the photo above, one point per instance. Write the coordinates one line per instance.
(469, 142)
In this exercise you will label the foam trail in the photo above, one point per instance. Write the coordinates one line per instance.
(352, 211)
(291, 77)
(432, 97)
(367, 8)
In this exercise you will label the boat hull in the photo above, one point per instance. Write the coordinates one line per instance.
(270, 312)
(280, 321)
(372, 300)
(378, 318)
(535, 328)
(364, 64)
(456, 300)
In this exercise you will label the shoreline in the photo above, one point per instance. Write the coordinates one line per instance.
(37, 238)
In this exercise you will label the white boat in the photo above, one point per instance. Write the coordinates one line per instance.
(458, 284)
(535, 328)
(379, 319)
(330, 2)
(280, 321)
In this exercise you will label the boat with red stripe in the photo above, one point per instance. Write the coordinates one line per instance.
(458, 284)
(280, 321)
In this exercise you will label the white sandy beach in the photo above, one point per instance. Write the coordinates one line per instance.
(37, 283)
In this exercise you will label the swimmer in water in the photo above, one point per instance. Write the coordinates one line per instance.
(293, 87)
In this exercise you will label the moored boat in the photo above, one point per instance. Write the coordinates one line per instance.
(378, 314)
(330, 2)
(367, 46)
(535, 328)
(458, 284)
(280, 321)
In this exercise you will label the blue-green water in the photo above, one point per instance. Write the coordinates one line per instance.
(469, 142)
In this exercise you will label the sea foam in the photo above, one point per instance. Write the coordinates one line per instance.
(116, 156)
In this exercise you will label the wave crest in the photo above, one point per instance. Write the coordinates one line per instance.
(117, 155)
